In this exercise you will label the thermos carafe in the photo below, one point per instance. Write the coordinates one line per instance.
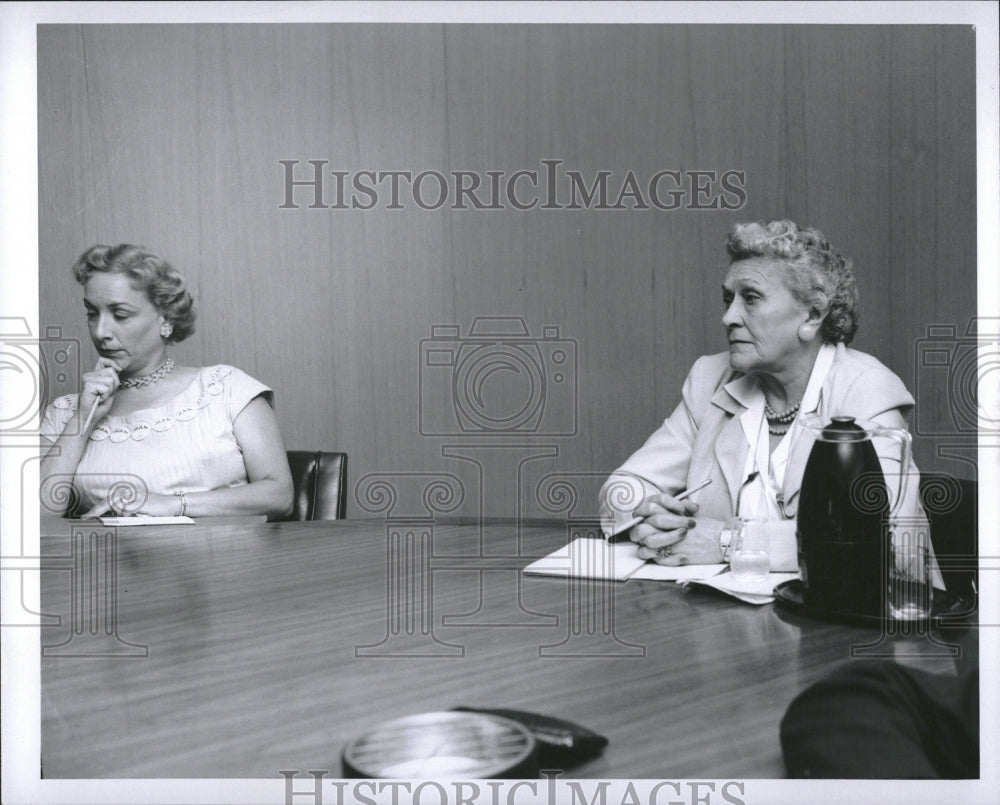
(842, 527)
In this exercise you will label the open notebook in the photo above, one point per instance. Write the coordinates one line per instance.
(597, 558)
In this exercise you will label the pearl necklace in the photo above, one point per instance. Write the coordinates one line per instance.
(776, 420)
(158, 373)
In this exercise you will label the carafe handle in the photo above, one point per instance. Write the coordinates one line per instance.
(905, 447)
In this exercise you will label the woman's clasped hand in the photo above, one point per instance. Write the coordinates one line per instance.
(671, 535)
(122, 502)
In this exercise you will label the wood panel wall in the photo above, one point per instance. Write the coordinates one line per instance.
(172, 136)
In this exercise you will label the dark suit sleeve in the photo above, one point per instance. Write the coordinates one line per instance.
(875, 719)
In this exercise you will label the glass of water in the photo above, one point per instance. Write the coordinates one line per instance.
(749, 557)
(910, 592)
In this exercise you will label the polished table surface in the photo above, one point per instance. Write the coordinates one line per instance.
(240, 650)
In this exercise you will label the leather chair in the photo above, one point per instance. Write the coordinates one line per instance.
(320, 481)
(951, 507)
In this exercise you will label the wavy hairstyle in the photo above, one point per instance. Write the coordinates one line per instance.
(162, 282)
(818, 275)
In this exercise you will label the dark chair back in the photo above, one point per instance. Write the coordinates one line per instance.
(951, 506)
(320, 480)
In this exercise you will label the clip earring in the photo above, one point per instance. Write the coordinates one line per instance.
(166, 329)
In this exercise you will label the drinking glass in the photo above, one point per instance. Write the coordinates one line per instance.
(749, 557)
(909, 590)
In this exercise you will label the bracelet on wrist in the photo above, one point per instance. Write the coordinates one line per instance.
(184, 503)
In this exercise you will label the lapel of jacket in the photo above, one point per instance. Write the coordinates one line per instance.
(804, 439)
(793, 472)
(731, 446)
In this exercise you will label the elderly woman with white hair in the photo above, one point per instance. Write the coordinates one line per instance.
(790, 304)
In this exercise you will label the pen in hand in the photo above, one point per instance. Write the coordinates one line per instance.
(693, 489)
(90, 416)
(682, 496)
(105, 364)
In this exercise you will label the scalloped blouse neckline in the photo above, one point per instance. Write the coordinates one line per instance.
(174, 402)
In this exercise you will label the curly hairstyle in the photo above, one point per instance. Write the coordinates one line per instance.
(818, 275)
(163, 284)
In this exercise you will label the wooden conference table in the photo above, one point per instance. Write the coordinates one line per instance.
(239, 650)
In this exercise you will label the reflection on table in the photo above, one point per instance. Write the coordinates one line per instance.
(239, 650)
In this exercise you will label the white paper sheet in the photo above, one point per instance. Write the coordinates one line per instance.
(143, 520)
(654, 572)
(752, 591)
(590, 558)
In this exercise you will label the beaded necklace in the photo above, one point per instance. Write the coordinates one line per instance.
(158, 373)
(775, 421)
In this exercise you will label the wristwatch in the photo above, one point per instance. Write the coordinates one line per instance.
(726, 538)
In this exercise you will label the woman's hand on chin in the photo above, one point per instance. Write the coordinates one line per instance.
(98, 388)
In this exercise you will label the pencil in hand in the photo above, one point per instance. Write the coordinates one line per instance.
(103, 363)
(693, 489)
(682, 496)
(90, 416)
